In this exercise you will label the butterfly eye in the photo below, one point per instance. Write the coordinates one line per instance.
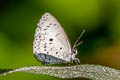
(74, 51)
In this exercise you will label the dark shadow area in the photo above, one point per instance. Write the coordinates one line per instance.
(4, 70)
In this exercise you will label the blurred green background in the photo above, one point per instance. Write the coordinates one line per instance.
(18, 20)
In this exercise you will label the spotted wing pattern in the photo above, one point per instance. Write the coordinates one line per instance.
(51, 40)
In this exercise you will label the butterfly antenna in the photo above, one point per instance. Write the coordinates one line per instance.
(75, 44)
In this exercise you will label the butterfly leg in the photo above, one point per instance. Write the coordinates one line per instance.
(71, 62)
(77, 61)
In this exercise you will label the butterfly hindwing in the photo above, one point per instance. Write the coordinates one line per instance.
(51, 40)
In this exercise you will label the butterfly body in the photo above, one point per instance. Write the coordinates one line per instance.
(51, 45)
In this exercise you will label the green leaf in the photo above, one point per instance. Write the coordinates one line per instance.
(95, 72)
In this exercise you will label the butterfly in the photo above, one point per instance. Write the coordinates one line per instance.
(51, 44)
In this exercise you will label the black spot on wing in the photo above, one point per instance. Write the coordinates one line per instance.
(47, 15)
(60, 48)
(47, 52)
(50, 24)
(45, 43)
(45, 33)
(57, 34)
(45, 29)
(54, 24)
(37, 30)
(45, 49)
(39, 36)
(35, 51)
(45, 46)
(56, 52)
(47, 26)
(50, 43)
(51, 39)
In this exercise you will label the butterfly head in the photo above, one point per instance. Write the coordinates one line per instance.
(74, 51)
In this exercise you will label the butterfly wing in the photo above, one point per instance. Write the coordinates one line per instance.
(50, 39)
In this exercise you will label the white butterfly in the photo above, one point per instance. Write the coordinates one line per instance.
(51, 45)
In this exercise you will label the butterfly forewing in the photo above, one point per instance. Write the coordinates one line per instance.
(50, 39)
